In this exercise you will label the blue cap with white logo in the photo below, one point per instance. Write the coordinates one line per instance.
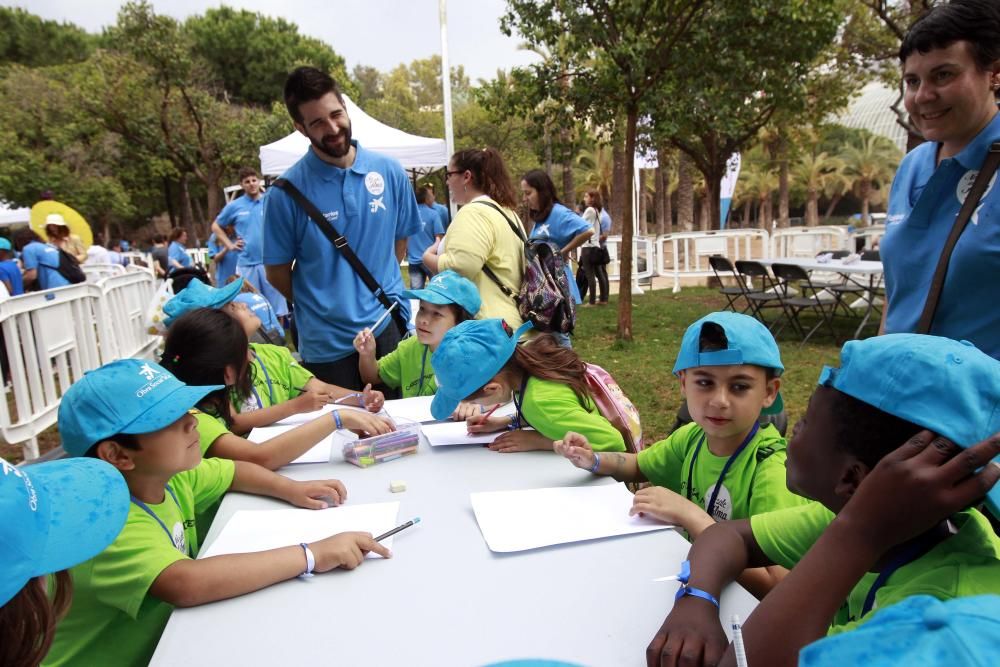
(946, 386)
(920, 630)
(449, 287)
(748, 342)
(55, 515)
(199, 295)
(125, 396)
(469, 356)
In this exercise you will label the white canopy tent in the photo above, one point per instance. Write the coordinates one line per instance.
(15, 216)
(413, 152)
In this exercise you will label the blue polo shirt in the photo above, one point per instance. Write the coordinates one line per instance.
(371, 203)
(225, 267)
(417, 243)
(45, 259)
(10, 272)
(177, 253)
(261, 307)
(248, 216)
(445, 215)
(605, 225)
(923, 204)
(560, 228)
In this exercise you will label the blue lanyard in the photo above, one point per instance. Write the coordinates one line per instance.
(267, 377)
(912, 551)
(148, 511)
(725, 469)
(423, 366)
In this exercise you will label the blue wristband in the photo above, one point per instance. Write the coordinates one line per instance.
(685, 589)
(337, 420)
(597, 463)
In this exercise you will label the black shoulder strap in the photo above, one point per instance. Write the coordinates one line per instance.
(487, 270)
(968, 206)
(340, 243)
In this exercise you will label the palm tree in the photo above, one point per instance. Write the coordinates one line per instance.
(595, 169)
(756, 185)
(870, 164)
(814, 173)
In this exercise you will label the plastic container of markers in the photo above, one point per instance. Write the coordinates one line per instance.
(366, 452)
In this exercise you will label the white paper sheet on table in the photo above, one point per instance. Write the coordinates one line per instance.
(305, 417)
(259, 530)
(521, 520)
(418, 409)
(455, 433)
(320, 453)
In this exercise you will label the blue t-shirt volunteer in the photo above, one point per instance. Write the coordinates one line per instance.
(44, 258)
(923, 204)
(247, 215)
(177, 253)
(10, 272)
(560, 228)
(442, 211)
(225, 267)
(417, 243)
(371, 203)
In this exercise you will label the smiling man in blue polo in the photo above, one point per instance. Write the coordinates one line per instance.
(367, 198)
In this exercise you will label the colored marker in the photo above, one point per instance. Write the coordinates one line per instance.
(738, 648)
(384, 315)
(487, 415)
(412, 522)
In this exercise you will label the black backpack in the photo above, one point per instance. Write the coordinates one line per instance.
(69, 268)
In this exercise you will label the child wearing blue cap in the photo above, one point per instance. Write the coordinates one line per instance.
(134, 415)
(480, 361)
(10, 272)
(55, 515)
(894, 523)
(723, 465)
(209, 347)
(281, 387)
(447, 299)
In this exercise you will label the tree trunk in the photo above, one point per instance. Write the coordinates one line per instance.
(783, 220)
(746, 214)
(658, 200)
(169, 199)
(187, 217)
(643, 222)
(685, 194)
(548, 151)
(812, 208)
(619, 192)
(704, 212)
(866, 193)
(569, 188)
(625, 272)
(833, 204)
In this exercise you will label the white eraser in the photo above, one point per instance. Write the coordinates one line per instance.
(397, 485)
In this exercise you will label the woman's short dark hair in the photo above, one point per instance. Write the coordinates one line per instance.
(596, 200)
(306, 84)
(176, 233)
(489, 174)
(974, 21)
(546, 190)
(422, 193)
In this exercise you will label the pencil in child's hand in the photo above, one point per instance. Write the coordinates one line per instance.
(487, 415)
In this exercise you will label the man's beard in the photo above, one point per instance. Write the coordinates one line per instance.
(345, 134)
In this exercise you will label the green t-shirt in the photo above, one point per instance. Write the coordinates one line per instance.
(403, 368)
(754, 484)
(277, 377)
(552, 409)
(113, 620)
(209, 429)
(966, 563)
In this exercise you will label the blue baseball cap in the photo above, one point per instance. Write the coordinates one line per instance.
(949, 387)
(449, 287)
(199, 295)
(125, 396)
(748, 342)
(56, 515)
(5, 243)
(920, 630)
(468, 357)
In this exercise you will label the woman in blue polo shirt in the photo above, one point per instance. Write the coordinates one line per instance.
(177, 257)
(554, 223)
(40, 261)
(951, 74)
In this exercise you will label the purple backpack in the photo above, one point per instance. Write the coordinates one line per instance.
(545, 298)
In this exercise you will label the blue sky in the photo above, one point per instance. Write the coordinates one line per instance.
(380, 33)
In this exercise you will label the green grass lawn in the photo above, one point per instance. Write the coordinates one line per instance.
(642, 367)
(659, 318)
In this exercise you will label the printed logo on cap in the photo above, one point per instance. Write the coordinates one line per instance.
(8, 469)
(153, 377)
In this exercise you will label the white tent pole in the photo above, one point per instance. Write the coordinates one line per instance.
(449, 133)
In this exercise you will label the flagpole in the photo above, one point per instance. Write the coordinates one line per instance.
(449, 133)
